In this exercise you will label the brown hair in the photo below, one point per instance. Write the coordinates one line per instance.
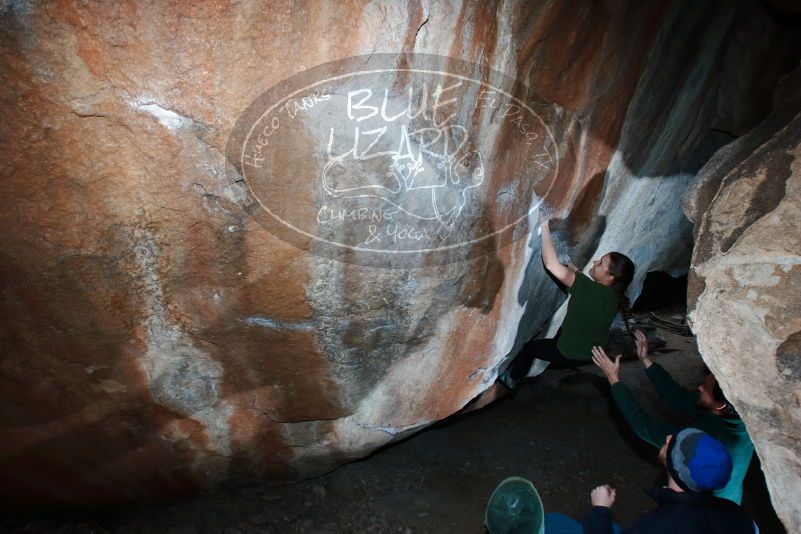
(622, 270)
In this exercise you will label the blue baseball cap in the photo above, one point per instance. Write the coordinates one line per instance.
(697, 461)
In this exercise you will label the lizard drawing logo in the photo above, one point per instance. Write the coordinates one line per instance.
(427, 174)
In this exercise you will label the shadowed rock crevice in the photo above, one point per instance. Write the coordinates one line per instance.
(788, 357)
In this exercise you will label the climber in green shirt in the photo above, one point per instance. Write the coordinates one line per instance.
(706, 408)
(594, 302)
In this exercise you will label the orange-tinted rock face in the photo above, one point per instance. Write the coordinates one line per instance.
(159, 335)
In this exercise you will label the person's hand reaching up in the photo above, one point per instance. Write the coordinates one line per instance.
(610, 369)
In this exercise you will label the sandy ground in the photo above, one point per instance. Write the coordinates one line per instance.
(561, 431)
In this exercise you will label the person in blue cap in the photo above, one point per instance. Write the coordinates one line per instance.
(696, 464)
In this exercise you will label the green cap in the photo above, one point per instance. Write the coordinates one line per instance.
(515, 508)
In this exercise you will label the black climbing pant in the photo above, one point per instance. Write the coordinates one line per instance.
(543, 349)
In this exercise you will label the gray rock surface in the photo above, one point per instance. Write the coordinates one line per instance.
(747, 294)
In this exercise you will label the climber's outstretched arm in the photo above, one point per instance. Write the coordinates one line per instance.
(550, 259)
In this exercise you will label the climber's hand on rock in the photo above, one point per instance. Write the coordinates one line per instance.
(642, 348)
(545, 216)
(609, 368)
(603, 496)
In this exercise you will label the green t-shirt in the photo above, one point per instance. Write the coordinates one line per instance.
(590, 313)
